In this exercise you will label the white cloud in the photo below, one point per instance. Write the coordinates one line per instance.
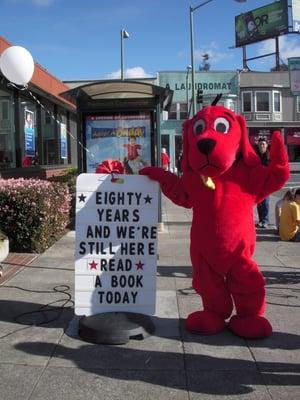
(135, 72)
(288, 47)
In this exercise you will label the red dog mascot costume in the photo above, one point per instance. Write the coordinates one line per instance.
(222, 180)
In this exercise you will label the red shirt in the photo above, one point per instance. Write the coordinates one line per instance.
(132, 150)
(165, 160)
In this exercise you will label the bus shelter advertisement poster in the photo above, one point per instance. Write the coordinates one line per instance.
(126, 138)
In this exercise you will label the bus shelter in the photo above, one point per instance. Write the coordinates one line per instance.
(119, 120)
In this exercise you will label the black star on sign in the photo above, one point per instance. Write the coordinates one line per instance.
(81, 198)
(148, 199)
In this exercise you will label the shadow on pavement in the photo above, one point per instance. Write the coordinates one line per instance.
(55, 314)
(58, 316)
(115, 362)
(281, 277)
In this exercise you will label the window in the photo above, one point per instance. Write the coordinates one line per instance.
(29, 127)
(49, 139)
(230, 104)
(173, 111)
(178, 111)
(183, 111)
(62, 137)
(276, 101)
(7, 131)
(262, 101)
(247, 101)
(298, 104)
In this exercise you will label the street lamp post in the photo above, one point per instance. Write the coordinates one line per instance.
(188, 69)
(192, 9)
(124, 35)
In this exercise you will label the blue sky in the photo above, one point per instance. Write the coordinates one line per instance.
(80, 39)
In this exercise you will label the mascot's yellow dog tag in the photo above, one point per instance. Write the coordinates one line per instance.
(208, 182)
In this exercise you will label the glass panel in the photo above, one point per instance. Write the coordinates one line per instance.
(298, 103)
(173, 111)
(49, 145)
(28, 122)
(7, 131)
(262, 101)
(247, 102)
(183, 111)
(277, 102)
(294, 153)
(62, 137)
(178, 153)
(165, 142)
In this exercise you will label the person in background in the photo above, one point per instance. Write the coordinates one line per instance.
(289, 196)
(165, 159)
(289, 225)
(263, 206)
(179, 168)
(35, 159)
(26, 161)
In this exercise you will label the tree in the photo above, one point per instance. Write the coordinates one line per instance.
(282, 67)
(205, 65)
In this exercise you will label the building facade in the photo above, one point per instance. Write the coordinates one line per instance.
(36, 126)
(267, 103)
(264, 98)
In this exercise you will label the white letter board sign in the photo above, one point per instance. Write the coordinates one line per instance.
(116, 244)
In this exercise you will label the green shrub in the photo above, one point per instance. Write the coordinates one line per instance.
(33, 213)
(69, 178)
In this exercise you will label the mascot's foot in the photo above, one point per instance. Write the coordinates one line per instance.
(204, 323)
(254, 327)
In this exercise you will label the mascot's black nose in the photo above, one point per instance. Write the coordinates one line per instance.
(206, 146)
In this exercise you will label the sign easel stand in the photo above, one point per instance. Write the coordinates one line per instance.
(115, 327)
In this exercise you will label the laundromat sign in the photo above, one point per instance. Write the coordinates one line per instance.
(210, 82)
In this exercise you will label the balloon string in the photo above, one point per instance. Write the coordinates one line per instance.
(24, 87)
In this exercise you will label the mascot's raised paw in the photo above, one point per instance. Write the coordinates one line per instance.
(255, 327)
(204, 323)
(278, 154)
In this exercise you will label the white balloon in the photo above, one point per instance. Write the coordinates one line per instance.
(17, 65)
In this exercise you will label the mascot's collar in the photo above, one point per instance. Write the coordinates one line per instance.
(208, 182)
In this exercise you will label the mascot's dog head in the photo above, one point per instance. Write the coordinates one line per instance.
(213, 140)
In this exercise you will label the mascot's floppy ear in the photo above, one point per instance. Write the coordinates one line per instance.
(248, 154)
(185, 147)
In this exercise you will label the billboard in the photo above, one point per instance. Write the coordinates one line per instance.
(296, 15)
(261, 23)
(122, 137)
(294, 69)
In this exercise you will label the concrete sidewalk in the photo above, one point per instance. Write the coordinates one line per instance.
(49, 361)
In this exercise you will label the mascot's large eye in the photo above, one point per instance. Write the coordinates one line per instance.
(221, 125)
(199, 127)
